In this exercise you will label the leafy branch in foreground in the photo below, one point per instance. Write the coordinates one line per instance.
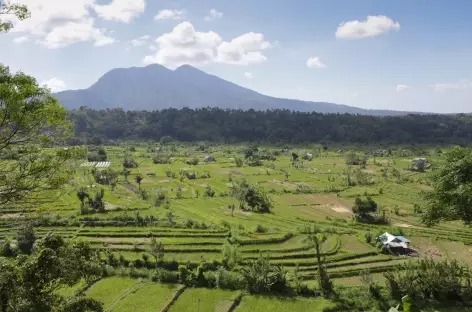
(32, 121)
(30, 283)
(11, 12)
(452, 195)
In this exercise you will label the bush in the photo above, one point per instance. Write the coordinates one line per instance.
(183, 273)
(165, 276)
(6, 250)
(96, 157)
(193, 161)
(224, 279)
(368, 237)
(130, 163)
(209, 192)
(26, 238)
(261, 277)
(105, 176)
(254, 162)
(161, 160)
(428, 279)
(260, 229)
(238, 161)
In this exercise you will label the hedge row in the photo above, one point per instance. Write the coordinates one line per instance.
(152, 234)
(337, 258)
(261, 241)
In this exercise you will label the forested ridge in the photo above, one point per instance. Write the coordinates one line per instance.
(273, 126)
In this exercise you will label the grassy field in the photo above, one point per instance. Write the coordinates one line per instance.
(266, 304)
(194, 227)
(196, 299)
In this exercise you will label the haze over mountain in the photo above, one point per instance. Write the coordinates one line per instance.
(156, 87)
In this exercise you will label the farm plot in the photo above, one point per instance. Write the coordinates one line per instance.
(197, 299)
(194, 218)
(112, 289)
(148, 297)
(269, 304)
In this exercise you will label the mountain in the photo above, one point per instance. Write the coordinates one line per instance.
(156, 87)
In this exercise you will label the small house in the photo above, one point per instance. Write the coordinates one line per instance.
(419, 164)
(209, 159)
(396, 244)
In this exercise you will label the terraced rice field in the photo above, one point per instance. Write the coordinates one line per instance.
(194, 227)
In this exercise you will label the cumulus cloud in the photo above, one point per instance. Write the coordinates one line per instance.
(213, 15)
(373, 26)
(74, 32)
(460, 85)
(185, 45)
(120, 10)
(315, 62)
(140, 41)
(402, 88)
(248, 75)
(20, 40)
(169, 14)
(57, 23)
(55, 84)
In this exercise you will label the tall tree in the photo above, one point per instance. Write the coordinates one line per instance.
(156, 250)
(325, 284)
(451, 198)
(32, 121)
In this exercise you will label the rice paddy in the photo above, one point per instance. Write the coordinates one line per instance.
(193, 227)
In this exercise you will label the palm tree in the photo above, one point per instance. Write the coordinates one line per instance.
(138, 180)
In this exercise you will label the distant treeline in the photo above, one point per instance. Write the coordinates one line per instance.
(274, 126)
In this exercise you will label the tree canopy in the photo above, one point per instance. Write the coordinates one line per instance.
(30, 283)
(275, 126)
(32, 121)
(452, 195)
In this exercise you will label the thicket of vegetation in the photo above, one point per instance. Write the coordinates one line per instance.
(213, 124)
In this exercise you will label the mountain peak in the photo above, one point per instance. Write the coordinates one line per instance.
(155, 87)
(187, 68)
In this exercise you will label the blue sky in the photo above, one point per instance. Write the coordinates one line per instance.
(379, 54)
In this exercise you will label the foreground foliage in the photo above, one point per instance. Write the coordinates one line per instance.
(452, 195)
(30, 119)
(30, 283)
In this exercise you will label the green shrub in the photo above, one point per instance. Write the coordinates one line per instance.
(165, 276)
(224, 279)
(260, 229)
(183, 273)
(260, 277)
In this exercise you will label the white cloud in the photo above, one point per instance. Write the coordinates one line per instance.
(74, 32)
(55, 84)
(248, 75)
(373, 26)
(140, 41)
(185, 45)
(403, 88)
(20, 40)
(315, 62)
(460, 85)
(120, 10)
(243, 50)
(57, 23)
(169, 14)
(213, 15)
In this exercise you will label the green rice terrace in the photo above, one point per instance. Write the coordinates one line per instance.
(187, 199)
